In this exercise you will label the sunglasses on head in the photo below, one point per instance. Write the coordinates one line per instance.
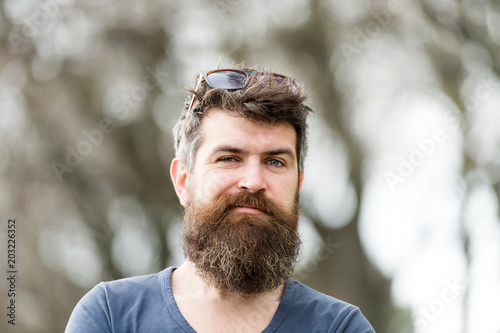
(235, 79)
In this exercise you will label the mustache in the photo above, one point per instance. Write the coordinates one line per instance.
(254, 200)
(226, 202)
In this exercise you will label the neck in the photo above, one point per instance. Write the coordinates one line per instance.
(207, 310)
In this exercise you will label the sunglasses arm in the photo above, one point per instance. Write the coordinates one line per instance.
(194, 95)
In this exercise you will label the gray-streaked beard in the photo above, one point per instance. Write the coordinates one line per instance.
(239, 253)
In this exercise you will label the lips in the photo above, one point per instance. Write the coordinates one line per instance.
(248, 209)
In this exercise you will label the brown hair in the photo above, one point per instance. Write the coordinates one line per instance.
(266, 99)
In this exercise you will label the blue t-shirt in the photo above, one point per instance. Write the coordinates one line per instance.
(147, 304)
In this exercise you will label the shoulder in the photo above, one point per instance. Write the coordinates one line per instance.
(134, 285)
(138, 291)
(98, 310)
(325, 313)
(312, 300)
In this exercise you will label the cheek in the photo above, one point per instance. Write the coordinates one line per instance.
(211, 184)
(286, 192)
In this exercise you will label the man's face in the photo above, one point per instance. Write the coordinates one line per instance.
(239, 155)
(241, 205)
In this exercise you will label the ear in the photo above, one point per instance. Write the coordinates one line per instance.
(179, 174)
(301, 179)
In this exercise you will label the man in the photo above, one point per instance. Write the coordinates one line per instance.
(240, 146)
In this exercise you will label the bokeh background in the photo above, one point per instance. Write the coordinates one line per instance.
(401, 192)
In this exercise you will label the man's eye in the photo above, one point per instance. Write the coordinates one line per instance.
(275, 163)
(227, 159)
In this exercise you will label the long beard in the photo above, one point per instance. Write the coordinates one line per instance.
(239, 253)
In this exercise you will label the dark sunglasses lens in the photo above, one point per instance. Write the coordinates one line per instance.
(226, 80)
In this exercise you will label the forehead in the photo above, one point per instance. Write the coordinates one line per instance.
(220, 127)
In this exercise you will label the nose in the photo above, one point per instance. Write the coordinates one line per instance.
(252, 178)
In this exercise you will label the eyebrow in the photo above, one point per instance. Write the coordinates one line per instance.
(235, 150)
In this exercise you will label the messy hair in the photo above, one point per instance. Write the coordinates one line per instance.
(266, 99)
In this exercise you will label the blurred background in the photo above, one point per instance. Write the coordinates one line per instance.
(402, 185)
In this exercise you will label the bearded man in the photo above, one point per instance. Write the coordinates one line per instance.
(240, 148)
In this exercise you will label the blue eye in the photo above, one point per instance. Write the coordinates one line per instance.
(275, 163)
